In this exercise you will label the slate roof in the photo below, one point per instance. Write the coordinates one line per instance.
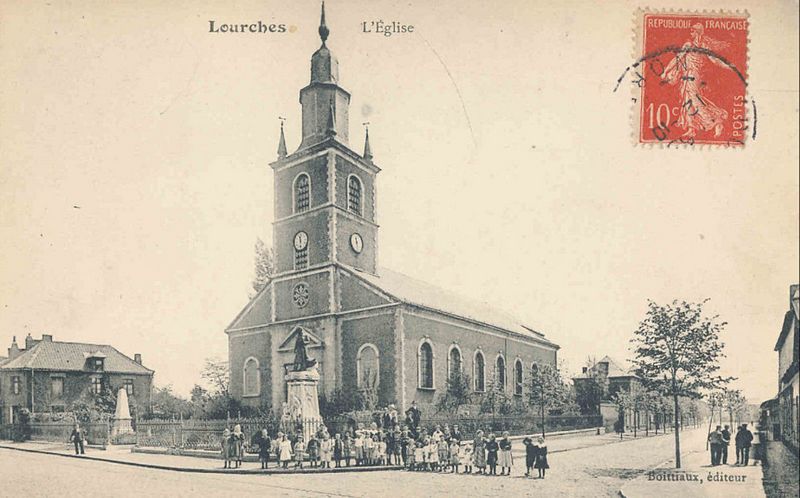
(419, 293)
(71, 356)
(614, 369)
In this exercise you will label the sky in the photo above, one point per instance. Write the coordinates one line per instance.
(134, 177)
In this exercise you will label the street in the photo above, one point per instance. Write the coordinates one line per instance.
(594, 471)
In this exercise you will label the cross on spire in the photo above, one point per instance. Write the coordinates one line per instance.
(323, 28)
(282, 152)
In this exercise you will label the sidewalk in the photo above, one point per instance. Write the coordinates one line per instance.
(123, 455)
(158, 459)
(780, 471)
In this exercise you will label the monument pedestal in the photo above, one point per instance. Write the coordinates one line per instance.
(304, 400)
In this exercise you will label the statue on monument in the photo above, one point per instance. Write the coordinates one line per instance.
(301, 360)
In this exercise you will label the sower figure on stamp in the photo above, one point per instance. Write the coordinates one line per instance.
(697, 112)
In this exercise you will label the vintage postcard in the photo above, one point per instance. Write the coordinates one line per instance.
(368, 248)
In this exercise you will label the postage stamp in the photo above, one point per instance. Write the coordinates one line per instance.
(691, 78)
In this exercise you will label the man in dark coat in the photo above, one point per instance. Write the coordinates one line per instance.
(744, 438)
(264, 443)
(77, 437)
(726, 441)
(413, 416)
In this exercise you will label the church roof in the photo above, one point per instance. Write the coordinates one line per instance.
(425, 295)
(71, 356)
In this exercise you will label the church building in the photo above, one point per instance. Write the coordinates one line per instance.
(366, 326)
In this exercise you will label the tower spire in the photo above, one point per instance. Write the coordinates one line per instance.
(323, 28)
(282, 142)
(367, 149)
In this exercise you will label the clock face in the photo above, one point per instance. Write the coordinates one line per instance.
(300, 241)
(356, 243)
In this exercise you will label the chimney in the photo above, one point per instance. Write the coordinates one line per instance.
(47, 337)
(29, 341)
(13, 351)
(584, 369)
(137, 357)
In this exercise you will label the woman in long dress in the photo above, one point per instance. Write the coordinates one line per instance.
(284, 450)
(478, 455)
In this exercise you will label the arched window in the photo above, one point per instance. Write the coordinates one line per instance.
(479, 373)
(302, 193)
(354, 194)
(454, 367)
(500, 372)
(425, 361)
(368, 367)
(251, 385)
(518, 377)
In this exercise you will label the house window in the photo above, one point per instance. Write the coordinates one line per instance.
(251, 381)
(16, 385)
(354, 191)
(367, 367)
(301, 258)
(425, 360)
(302, 189)
(500, 372)
(479, 372)
(97, 385)
(518, 378)
(97, 364)
(454, 362)
(128, 385)
(57, 387)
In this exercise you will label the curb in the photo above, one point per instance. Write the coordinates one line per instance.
(208, 471)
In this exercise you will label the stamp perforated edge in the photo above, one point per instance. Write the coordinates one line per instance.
(637, 55)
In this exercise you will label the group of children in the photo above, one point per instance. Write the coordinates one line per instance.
(441, 450)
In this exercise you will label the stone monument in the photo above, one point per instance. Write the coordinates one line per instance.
(303, 402)
(122, 415)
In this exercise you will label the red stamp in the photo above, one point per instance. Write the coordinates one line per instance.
(693, 79)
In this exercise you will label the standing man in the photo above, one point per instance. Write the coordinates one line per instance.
(747, 441)
(77, 437)
(715, 441)
(413, 416)
(726, 441)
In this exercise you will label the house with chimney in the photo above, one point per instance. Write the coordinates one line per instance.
(613, 378)
(49, 376)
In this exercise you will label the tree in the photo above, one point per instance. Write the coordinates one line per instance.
(495, 400)
(733, 401)
(677, 350)
(218, 376)
(591, 390)
(547, 391)
(165, 403)
(457, 393)
(264, 266)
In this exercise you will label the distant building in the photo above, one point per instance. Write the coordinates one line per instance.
(788, 399)
(614, 378)
(367, 327)
(48, 376)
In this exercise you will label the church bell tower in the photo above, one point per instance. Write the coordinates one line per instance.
(325, 212)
